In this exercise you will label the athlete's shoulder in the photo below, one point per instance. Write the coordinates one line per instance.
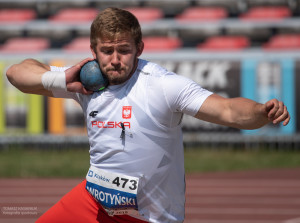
(152, 69)
(165, 76)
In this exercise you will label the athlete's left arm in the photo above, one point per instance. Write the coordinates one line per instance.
(242, 113)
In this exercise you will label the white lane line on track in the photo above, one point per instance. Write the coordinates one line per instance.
(242, 191)
(243, 183)
(294, 220)
(230, 221)
(260, 201)
(243, 211)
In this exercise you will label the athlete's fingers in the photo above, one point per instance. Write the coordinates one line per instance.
(287, 120)
(78, 88)
(279, 111)
(284, 117)
(76, 68)
(85, 91)
(72, 78)
(81, 63)
(271, 108)
(72, 73)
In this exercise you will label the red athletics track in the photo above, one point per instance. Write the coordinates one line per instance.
(269, 196)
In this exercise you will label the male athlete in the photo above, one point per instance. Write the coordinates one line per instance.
(136, 148)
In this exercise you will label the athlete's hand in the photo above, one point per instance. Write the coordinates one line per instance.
(72, 78)
(277, 112)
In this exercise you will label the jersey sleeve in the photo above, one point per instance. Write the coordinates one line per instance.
(183, 94)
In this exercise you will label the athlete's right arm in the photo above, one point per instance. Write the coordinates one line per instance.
(26, 76)
(29, 77)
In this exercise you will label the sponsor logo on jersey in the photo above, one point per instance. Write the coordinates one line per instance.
(93, 114)
(126, 112)
(109, 124)
(90, 173)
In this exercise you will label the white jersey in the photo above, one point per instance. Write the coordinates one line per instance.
(150, 105)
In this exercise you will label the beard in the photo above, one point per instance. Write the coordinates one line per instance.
(119, 75)
(116, 77)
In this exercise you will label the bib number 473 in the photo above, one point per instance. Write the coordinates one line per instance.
(125, 183)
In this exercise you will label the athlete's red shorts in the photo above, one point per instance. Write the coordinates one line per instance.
(79, 206)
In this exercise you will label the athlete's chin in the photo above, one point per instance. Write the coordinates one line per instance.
(114, 80)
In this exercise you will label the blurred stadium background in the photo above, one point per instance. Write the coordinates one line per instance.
(246, 48)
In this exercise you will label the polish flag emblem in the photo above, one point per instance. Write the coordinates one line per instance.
(126, 112)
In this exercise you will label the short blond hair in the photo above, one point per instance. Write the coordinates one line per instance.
(113, 22)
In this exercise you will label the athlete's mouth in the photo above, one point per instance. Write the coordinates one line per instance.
(115, 71)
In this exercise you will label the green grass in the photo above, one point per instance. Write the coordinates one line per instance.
(234, 160)
(34, 163)
(44, 163)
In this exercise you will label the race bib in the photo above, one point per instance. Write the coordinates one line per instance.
(117, 193)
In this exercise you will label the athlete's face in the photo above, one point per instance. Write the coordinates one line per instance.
(117, 58)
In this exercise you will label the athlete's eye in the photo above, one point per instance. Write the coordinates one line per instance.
(107, 50)
(124, 51)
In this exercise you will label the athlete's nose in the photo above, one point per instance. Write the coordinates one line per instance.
(115, 61)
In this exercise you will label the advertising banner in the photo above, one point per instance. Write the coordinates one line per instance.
(297, 94)
(257, 79)
(265, 80)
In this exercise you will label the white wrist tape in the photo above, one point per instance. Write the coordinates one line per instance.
(54, 80)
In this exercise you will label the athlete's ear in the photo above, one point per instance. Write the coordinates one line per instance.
(140, 48)
(93, 52)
